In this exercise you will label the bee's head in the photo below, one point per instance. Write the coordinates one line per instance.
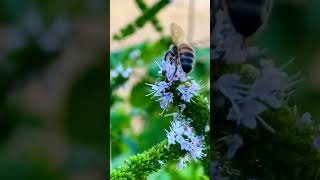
(174, 48)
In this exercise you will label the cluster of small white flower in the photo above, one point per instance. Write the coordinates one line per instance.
(249, 101)
(160, 88)
(120, 71)
(182, 133)
(187, 92)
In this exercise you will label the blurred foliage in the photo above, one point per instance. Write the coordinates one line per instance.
(88, 89)
(38, 31)
(148, 15)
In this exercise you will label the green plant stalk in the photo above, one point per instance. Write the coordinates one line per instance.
(141, 165)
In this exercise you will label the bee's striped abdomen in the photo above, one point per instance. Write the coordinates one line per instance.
(187, 57)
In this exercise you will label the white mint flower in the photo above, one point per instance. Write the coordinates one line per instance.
(165, 65)
(158, 89)
(166, 100)
(198, 147)
(185, 145)
(188, 92)
(194, 88)
(185, 94)
(197, 152)
(316, 142)
(172, 72)
(169, 70)
(171, 137)
(188, 132)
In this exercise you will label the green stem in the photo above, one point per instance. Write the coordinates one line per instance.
(141, 165)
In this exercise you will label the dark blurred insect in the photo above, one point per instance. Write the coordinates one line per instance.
(247, 16)
(180, 53)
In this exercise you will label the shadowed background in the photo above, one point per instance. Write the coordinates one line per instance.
(293, 33)
(52, 89)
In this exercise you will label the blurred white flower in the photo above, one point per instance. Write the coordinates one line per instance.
(228, 85)
(234, 142)
(207, 129)
(119, 70)
(126, 73)
(161, 162)
(306, 118)
(271, 84)
(316, 142)
(134, 55)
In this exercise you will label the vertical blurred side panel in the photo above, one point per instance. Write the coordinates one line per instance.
(264, 89)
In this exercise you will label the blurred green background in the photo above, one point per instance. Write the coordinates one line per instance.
(52, 89)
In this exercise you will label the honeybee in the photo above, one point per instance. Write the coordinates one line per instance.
(248, 16)
(180, 53)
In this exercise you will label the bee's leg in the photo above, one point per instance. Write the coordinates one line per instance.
(166, 56)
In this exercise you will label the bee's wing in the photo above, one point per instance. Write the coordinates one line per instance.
(177, 33)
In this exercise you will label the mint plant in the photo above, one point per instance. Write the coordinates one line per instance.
(186, 137)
